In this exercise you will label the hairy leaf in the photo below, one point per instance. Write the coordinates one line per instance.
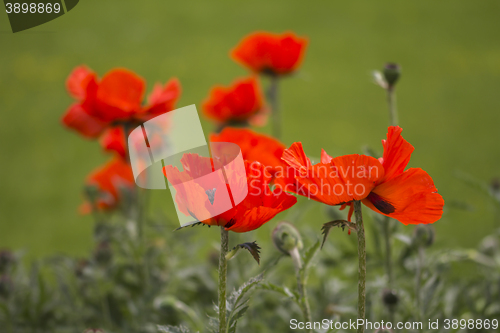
(252, 247)
(325, 229)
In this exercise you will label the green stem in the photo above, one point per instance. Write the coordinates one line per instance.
(391, 102)
(361, 263)
(272, 95)
(301, 286)
(224, 247)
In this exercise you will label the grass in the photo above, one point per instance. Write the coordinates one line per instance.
(448, 96)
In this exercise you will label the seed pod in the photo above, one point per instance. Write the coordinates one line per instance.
(392, 72)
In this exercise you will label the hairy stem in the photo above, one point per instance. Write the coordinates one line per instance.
(391, 102)
(272, 95)
(362, 263)
(301, 286)
(224, 241)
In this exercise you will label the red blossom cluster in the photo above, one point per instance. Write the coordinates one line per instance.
(106, 109)
(263, 53)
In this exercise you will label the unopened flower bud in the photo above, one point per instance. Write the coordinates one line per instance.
(6, 260)
(287, 238)
(423, 235)
(390, 298)
(392, 72)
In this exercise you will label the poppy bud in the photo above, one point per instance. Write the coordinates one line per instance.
(6, 259)
(287, 238)
(390, 299)
(423, 235)
(103, 253)
(6, 286)
(392, 72)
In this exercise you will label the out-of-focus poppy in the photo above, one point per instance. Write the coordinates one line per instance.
(237, 103)
(109, 180)
(162, 99)
(269, 53)
(254, 146)
(82, 85)
(264, 149)
(117, 97)
(201, 198)
(383, 185)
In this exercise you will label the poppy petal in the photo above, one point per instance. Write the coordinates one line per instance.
(119, 94)
(410, 198)
(343, 179)
(78, 119)
(161, 99)
(397, 153)
(113, 139)
(78, 81)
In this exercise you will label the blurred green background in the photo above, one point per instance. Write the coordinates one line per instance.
(448, 97)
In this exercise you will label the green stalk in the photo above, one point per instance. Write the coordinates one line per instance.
(272, 95)
(224, 247)
(301, 286)
(391, 102)
(361, 263)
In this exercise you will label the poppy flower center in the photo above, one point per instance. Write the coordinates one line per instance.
(380, 203)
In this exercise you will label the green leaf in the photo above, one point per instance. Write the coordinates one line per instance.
(325, 229)
(191, 225)
(235, 317)
(252, 247)
(282, 290)
(236, 303)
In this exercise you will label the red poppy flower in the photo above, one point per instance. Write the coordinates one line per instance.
(110, 179)
(264, 149)
(197, 196)
(254, 146)
(237, 103)
(264, 52)
(82, 85)
(407, 196)
(118, 96)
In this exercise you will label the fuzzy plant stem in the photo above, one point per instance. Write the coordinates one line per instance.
(393, 121)
(272, 95)
(224, 247)
(301, 286)
(362, 263)
(391, 102)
